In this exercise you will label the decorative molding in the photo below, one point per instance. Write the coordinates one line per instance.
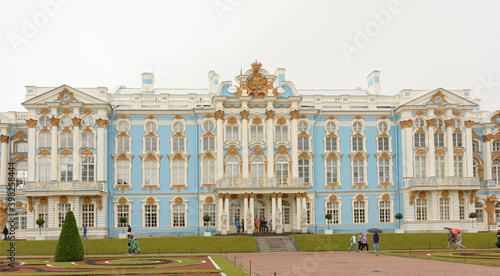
(460, 194)
(44, 111)
(30, 203)
(420, 113)
(88, 111)
(31, 123)
(99, 202)
(219, 115)
(122, 200)
(151, 117)
(54, 121)
(63, 199)
(383, 117)
(66, 111)
(406, 124)
(445, 193)
(438, 98)
(422, 194)
(412, 197)
(386, 197)
(449, 122)
(490, 208)
(332, 198)
(385, 185)
(209, 200)
(76, 122)
(360, 186)
(101, 123)
(331, 155)
(457, 113)
(475, 136)
(66, 96)
(358, 117)
(150, 200)
(66, 153)
(232, 120)
(270, 114)
(256, 121)
(44, 200)
(87, 200)
(208, 155)
(439, 152)
(472, 196)
(360, 197)
(420, 130)
(469, 123)
(4, 138)
(86, 153)
(333, 186)
(20, 135)
(431, 122)
(244, 115)
(294, 114)
(458, 151)
(281, 121)
(421, 152)
(178, 200)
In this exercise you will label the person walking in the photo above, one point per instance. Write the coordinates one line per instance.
(242, 225)
(376, 239)
(5, 233)
(360, 238)
(129, 229)
(498, 239)
(364, 242)
(237, 224)
(459, 242)
(264, 225)
(129, 243)
(451, 241)
(354, 242)
(84, 233)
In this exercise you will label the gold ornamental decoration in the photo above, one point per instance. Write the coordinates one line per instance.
(422, 194)
(44, 111)
(386, 197)
(412, 197)
(66, 96)
(358, 117)
(44, 200)
(30, 203)
(31, 123)
(259, 196)
(101, 123)
(232, 121)
(66, 111)
(178, 200)
(283, 150)
(88, 111)
(150, 200)
(438, 98)
(54, 121)
(359, 186)
(456, 113)
(472, 196)
(257, 121)
(219, 115)
(270, 114)
(209, 200)
(385, 185)
(420, 113)
(122, 200)
(421, 152)
(449, 123)
(445, 193)
(490, 209)
(360, 197)
(234, 196)
(469, 123)
(333, 186)
(496, 120)
(438, 113)
(258, 85)
(4, 138)
(460, 194)
(99, 202)
(294, 114)
(177, 117)
(406, 124)
(87, 200)
(63, 199)
(332, 198)
(431, 122)
(76, 121)
(285, 196)
(244, 115)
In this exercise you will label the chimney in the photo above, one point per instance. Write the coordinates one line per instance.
(148, 82)
(374, 83)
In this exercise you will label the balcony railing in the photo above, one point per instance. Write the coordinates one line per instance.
(65, 186)
(289, 182)
(447, 181)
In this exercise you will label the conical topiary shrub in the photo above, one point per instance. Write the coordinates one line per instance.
(70, 246)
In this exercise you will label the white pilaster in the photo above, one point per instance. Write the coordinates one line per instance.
(31, 154)
(487, 157)
(432, 205)
(54, 172)
(76, 150)
(432, 152)
(449, 149)
(469, 152)
(280, 213)
(219, 217)
(77, 210)
(251, 209)
(409, 151)
(52, 210)
(297, 203)
(304, 208)
(244, 142)
(295, 144)
(4, 173)
(273, 212)
(100, 153)
(246, 213)
(101, 214)
(226, 210)
(455, 212)
(220, 145)
(270, 143)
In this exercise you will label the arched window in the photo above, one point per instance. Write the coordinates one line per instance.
(257, 167)
(281, 169)
(21, 146)
(496, 170)
(232, 167)
(304, 170)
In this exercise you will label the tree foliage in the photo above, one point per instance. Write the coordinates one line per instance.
(69, 247)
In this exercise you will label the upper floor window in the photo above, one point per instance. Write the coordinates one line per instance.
(179, 127)
(420, 166)
(256, 133)
(304, 170)
(476, 146)
(44, 169)
(331, 171)
(331, 143)
(357, 144)
(232, 133)
(439, 166)
(87, 140)
(383, 171)
(151, 127)
(21, 146)
(88, 169)
(419, 140)
(457, 140)
(151, 143)
(208, 126)
(303, 143)
(281, 133)
(123, 143)
(257, 167)
(383, 127)
(150, 172)
(419, 123)
(44, 121)
(66, 121)
(208, 171)
(438, 139)
(358, 170)
(178, 172)
(458, 165)
(357, 127)
(457, 123)
(45, 140)
(232, 167)
(123, 126)
(66, 168)
(439, 123)
(88, 121)
(209, 143)
(331, 127)
(122, 172)
(303, 126)
(66, 140)
(383, 143)
(496, 145)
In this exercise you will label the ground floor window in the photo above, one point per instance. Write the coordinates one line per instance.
(333, 209)
(20, 218)
(479, 212)
(385, 211)
(359, 210)
(62, 210)
(123, 211)
(421, 208)
(43, 213)
(497, 212)
(150, 215)
(209, 209)
(179, 215)
(88, 215)
(461, 207)
(444, 208)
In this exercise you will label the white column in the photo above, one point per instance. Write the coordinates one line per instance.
(31, 153)
(279, 207)
(455, 212)
(488, 175)
(4, 173)
(101, 151)
(403, 151)
(273, 212)
(468, 148)
(432, 150)
(52, 212)
(244, 142)
(449, 148)
(219, 220)
(297, 203)
(295, 145)
(432, 205)
(76, 150)
(220, 145)
(245, 213)
(270, 143)
(76, 210)
(407, 148)
(226, 210)
(252, 206)
(54, 172)
(101, 215)
(304, 207)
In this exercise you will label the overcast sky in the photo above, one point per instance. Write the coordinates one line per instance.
(322, 44)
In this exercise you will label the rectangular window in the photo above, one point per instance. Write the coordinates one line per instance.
(20, 218)
(303, 143)
(208, 176)
(45, 140)
(304, 171)
(359, 212)
(151, 143)
(438, 140)
(420, 166)
(357, 144)
(178, 172)
(150, 216)
(331, 143)
(43, 213)
(383, 143)
(44, 165)
(281, 133)
(209, 143)
(383, 170)
(232, 133)
(461, 207)
(496, 145)
(88, 215)
(21, 147)
(67, 169)
(151, 172)
(309, 211)
(179, 215)
(419, 140)
(122, 172)
(123, 211)
(358, 170)
(256, 133)
(88, 169)
(62, 210)
(458, 165)
(476, 146)
(209, 209)
(385, 211)
(444, 208)
(333, 208)
(457, 140)
(123, 143)
(439, 169)
(88, 140)
(331, 171)
(421, 208)
(66, 140)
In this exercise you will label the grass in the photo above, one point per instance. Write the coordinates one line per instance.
(148, 245)
(445, 256)
(339, 242)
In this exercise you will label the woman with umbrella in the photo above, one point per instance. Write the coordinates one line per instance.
(133, 244)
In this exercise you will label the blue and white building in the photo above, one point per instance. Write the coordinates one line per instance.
(256, 147)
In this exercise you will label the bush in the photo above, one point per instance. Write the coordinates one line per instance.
(207, 218)
(398, 216)
(69, 247)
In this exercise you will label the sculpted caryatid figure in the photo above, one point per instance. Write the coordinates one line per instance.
(278, 218)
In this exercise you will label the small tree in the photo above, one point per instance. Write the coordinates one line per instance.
(40, 222)
(69, 247)
(207, 219)
(473, 216)
(398, 216)
(123, 220)
(328, 217)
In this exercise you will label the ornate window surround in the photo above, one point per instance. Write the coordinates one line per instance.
(386, 197)
(150, 201)
(179, 201)
(338, 200)
(115, 209)
(338, 157)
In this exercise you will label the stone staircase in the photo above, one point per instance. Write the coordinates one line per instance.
(276, 244)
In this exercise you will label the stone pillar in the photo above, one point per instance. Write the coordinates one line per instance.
(469, 170)
(432, 206)
(299, 211)
(52, 211)
(273, 212)
(219, 217)
(455, 210)
(226, 210)
(54, 170)
(76, 150)
(246, 213)
(488, 175)
(295, 144)
(407, 148)
(279, 214)
(244, 142)
(251, 210)
(270, 143)
(77, 210)
(31, 149)
(219, 115)
(4, 173)
(409, 209)
(432, 150)
(101, 125)
(449, 147)
(304, 210)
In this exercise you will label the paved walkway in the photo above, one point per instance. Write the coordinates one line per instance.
(353, 263)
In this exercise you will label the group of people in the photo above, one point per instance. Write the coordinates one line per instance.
(133, 244)
(362, 241)
(261, 225)
(455, 239)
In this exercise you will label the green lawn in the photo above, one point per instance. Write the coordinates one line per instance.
(464, 256)
(147, 245)
(394, 241)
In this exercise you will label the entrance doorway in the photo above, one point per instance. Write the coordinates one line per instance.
(286, 219)
(234, 212)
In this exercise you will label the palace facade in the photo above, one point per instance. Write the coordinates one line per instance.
(164, 158)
